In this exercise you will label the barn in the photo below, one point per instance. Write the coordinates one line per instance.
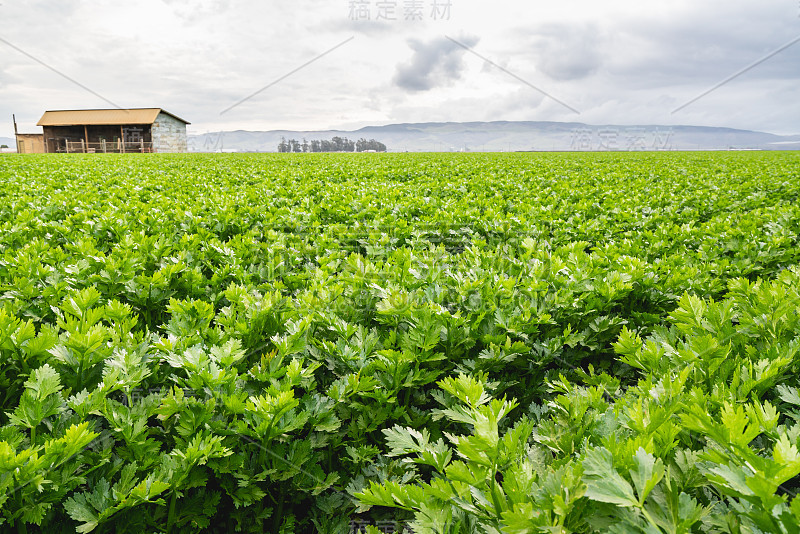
(30, 143)
(112, 130)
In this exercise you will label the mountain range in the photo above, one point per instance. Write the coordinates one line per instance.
(510, 136)
(505, 136)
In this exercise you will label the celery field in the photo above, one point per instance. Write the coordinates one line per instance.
(441, 343)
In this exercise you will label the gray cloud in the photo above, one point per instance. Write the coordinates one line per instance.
(705, 48)
(435, 63)
(616, 61)
(363, 27)
(568, 52)
(194, 10)
(517, 105)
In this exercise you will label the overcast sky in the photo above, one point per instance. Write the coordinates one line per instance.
(600, 62)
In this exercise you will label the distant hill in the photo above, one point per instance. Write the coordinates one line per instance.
(505, 136)
(511, 136)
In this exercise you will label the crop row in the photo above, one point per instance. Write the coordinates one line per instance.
(297, 343)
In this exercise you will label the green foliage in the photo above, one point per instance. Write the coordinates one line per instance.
(469, 343)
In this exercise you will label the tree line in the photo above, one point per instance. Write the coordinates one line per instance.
(337, 144)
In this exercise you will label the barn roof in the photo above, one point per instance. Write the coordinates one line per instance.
(98, 117)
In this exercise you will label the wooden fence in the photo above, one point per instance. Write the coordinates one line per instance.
(104, 147)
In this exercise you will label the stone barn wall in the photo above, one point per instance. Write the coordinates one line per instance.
(169, 134)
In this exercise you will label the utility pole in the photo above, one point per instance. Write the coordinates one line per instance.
(16, 137)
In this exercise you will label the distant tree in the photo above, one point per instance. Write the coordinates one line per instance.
(335, 144)
(3, 146)
(362, 145)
